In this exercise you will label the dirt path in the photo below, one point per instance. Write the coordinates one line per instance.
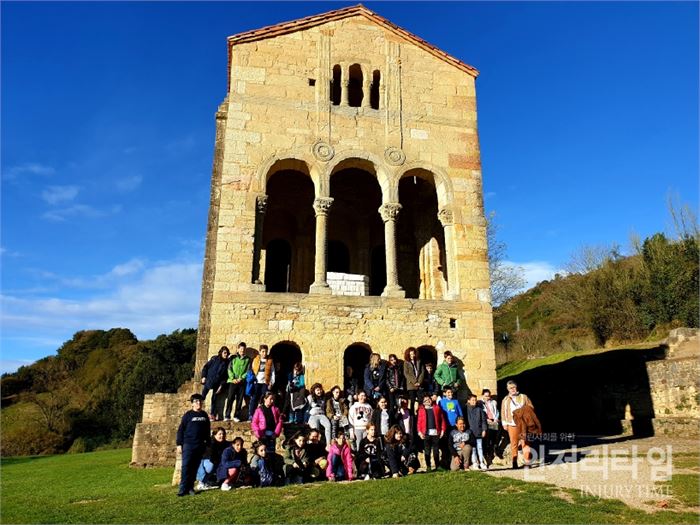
(635, 471)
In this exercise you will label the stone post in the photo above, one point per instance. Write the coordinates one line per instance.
(345, 83)
(389, 212)
(322, 206)
(366, 86)
(260, 207)
(446, 218)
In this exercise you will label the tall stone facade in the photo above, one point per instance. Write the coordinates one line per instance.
(346, 146)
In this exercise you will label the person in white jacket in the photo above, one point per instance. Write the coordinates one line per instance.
(360, 415)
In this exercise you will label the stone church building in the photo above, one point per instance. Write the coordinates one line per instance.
(346, 211)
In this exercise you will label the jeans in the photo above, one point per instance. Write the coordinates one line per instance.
(431, 444)
(480, 450)
(259, 390)
(321, 420)
(337, 468)
(235, 394)
(205, 467)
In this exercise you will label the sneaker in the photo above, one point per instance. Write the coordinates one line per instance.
(212, 418)
(236, 420)
(225, 486)
(200, 486)
(484, 466)
(227, 419)
(366, 477)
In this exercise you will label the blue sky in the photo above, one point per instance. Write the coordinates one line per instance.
(588, 120)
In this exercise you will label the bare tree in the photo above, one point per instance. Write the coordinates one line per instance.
(506, 279)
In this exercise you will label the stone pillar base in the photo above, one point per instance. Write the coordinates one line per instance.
(320, 289)
(394, 291)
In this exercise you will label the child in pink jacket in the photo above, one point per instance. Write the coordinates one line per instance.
(339, 460)
(267, 422)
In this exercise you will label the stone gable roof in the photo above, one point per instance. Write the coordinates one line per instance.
(339, 14)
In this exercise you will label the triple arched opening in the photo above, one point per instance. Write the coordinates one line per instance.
(355, 230)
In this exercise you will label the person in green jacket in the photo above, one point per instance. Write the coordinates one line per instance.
(448, 374)
(237, 370)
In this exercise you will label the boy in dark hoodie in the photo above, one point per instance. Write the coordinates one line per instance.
(193, 436)
(478, 426)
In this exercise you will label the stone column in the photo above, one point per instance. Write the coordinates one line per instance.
(345, 85)
(322, 206)
(389, 212)
(447, 220)
(366, 86)
(260, 207)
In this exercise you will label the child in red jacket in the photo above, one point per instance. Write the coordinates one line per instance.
(431, 427)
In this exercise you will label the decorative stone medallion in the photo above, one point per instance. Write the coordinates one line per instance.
(323, 151)
(395, 156)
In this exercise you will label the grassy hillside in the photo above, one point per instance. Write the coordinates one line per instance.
(98, 487)
(91, 393)
(609, 300)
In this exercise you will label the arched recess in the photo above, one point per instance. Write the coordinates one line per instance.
(356, 356)
(284, 355)
(427, 354)
(355, 94)
(354, 218)
(289, 217)
(420, 238)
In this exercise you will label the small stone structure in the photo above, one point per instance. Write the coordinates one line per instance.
(345, 146)
(675, 385)
(348, 284)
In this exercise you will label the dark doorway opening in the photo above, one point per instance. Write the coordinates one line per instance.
(278, 265)
(284, 354)
(377, 278)
(427, 354)
(356, 356)
(338, 257)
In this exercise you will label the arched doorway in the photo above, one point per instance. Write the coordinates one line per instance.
(427, 354)
(354, 218)
(278, 265)
(356, 356)
(420, 238)
(284, 355)
(289, 217)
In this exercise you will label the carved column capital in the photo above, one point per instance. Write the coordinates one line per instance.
(261, 204)
(322, 205)
(446, 217)
(389, 211)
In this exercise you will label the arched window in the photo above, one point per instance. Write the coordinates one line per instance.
(355, 94)
(335, 85)
(374, 91)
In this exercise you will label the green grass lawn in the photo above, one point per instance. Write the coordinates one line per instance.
(99, 487)
(513, 368)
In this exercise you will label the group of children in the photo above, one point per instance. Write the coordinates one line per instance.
(368, 430)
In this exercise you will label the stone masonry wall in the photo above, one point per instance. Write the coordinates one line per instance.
(675, 385)
(324, 326)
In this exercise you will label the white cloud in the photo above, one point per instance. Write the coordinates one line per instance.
(161, 298)
(79, 210)
(54, 195)
(28, 168)
(129, 183)
(536, 271)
